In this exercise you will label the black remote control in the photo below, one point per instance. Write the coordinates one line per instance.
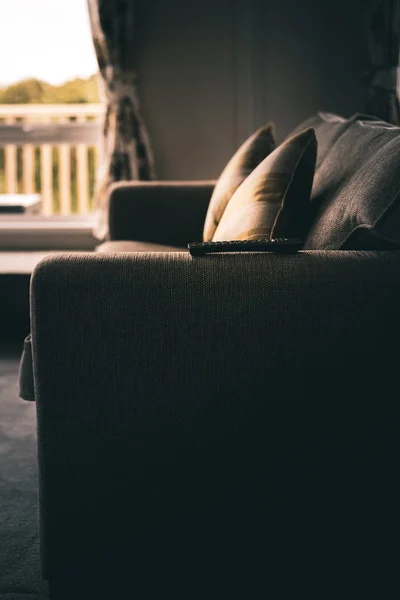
(263, 245)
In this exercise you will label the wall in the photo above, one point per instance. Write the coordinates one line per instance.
(210, 74)
(187, 84)
(312, 56)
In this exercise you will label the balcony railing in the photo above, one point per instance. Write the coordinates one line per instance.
(52, 150)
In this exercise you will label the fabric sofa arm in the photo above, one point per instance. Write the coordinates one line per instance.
(25, 376)
(180, 394)
(162, 212)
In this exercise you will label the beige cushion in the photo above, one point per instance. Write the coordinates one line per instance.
(274, 201)
(244, 161)
(127, 246)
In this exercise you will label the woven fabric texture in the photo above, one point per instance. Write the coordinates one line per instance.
(209, 423)
(274, 200)
(250, 154)
(356, 186)
(328, 128)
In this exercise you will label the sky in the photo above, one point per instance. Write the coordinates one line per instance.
(45, 39)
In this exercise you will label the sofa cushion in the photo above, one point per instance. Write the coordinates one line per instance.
(128, 246)
(243, 162)
(356, 187)
(328, 129)
(274, 200)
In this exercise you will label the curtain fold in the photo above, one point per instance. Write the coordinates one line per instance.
(126, 152)
(383, 37)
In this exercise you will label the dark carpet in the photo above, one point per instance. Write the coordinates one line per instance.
(20, 573)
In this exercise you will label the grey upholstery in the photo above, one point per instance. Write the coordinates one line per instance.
(210, 426)
(328, 129)
(25, 379)
(169, 213)
(358, 186)
(355, 199)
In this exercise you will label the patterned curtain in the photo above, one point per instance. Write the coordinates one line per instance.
(126, 152)
(383, 30)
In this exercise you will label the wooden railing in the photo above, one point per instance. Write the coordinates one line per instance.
(52, 150)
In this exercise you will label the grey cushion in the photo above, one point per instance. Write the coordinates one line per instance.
(128, 246)
(354, 201)
(328, 128)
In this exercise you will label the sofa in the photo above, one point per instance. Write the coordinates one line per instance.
(226, 424)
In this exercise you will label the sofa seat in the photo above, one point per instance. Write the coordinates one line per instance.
(130, 246)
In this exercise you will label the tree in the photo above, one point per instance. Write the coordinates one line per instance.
(29, 91)
(34, 91)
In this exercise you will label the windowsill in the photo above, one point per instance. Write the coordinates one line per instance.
(28, 232)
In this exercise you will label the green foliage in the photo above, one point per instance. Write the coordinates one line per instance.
(34, 91)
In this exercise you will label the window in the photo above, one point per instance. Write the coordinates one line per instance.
(50, 113)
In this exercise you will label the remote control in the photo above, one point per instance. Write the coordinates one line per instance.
(263, 245)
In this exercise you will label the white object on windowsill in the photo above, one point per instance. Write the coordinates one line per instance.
(20, 204)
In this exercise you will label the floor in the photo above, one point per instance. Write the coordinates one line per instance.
(20, 570)
(20, 573)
